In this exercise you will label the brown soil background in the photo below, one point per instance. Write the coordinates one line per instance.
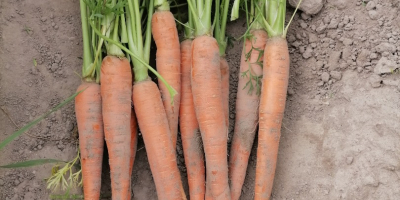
(341, 131)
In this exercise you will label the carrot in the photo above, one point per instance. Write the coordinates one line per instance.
(189, 127)
(207, 95)
(224, 66)
(116, 79)
(165, 35)
(150, 111)
(89, 118)
(91, 137)
(273, 97)
(156, 135)
(247, 102)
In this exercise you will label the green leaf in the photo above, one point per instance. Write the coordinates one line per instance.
(31, 163)
(34, 62)
(28, 126)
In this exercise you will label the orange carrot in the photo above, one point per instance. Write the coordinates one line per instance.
(133, 148)
(247, 102)
(272, 106)
(116, 93)
(168, 58)
(225, 87)
(190, 133)
(207, 96)
(91, 137)
(156, 136)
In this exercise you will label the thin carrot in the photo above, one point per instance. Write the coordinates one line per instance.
(156, 136)
(248, 98)
(168, 57)
(133, 148)
(224, 67)
(89, 118)
(273, 97)
(91, 137)
(247, 102)
(190, 131)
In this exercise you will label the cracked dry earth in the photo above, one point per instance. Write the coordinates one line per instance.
(341, 131)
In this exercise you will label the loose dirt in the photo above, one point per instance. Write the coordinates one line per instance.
(341, 131)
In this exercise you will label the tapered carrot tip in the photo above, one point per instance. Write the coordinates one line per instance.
(91, 137)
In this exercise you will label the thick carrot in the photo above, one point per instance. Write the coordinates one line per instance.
(116, 93)
(168, 58)
(207, 96)
(190, 132)
(225, 87)
(247, 103)
(133, 148)
(156, 136)
(91, 137)
(272, 107)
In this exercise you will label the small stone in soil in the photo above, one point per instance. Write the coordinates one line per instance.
(325, 77)
(349, 160)
(336, 75)
(373, 14)
(375, 81)
(1, 182)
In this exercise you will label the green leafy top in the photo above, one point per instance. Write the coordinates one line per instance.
(268, 14)
(201, 12)
(220, 19)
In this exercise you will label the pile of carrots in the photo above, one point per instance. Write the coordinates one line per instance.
(117, 96)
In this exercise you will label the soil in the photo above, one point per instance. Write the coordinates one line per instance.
(340, 135)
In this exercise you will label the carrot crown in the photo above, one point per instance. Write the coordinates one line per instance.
(266, 14)
(220, 19)
(88, 69)
(275, 20)
(201, 11)
(161, 5)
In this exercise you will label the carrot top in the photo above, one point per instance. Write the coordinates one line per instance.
(275, 20)
(201, 12)
(131, 33)
(265, 14)
(220, 19)
(88, 68)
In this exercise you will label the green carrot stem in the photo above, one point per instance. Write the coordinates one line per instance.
(113, 49)
(87, 54)
(147, 43)
(161, 5)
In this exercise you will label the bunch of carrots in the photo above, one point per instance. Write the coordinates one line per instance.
(117, 96)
